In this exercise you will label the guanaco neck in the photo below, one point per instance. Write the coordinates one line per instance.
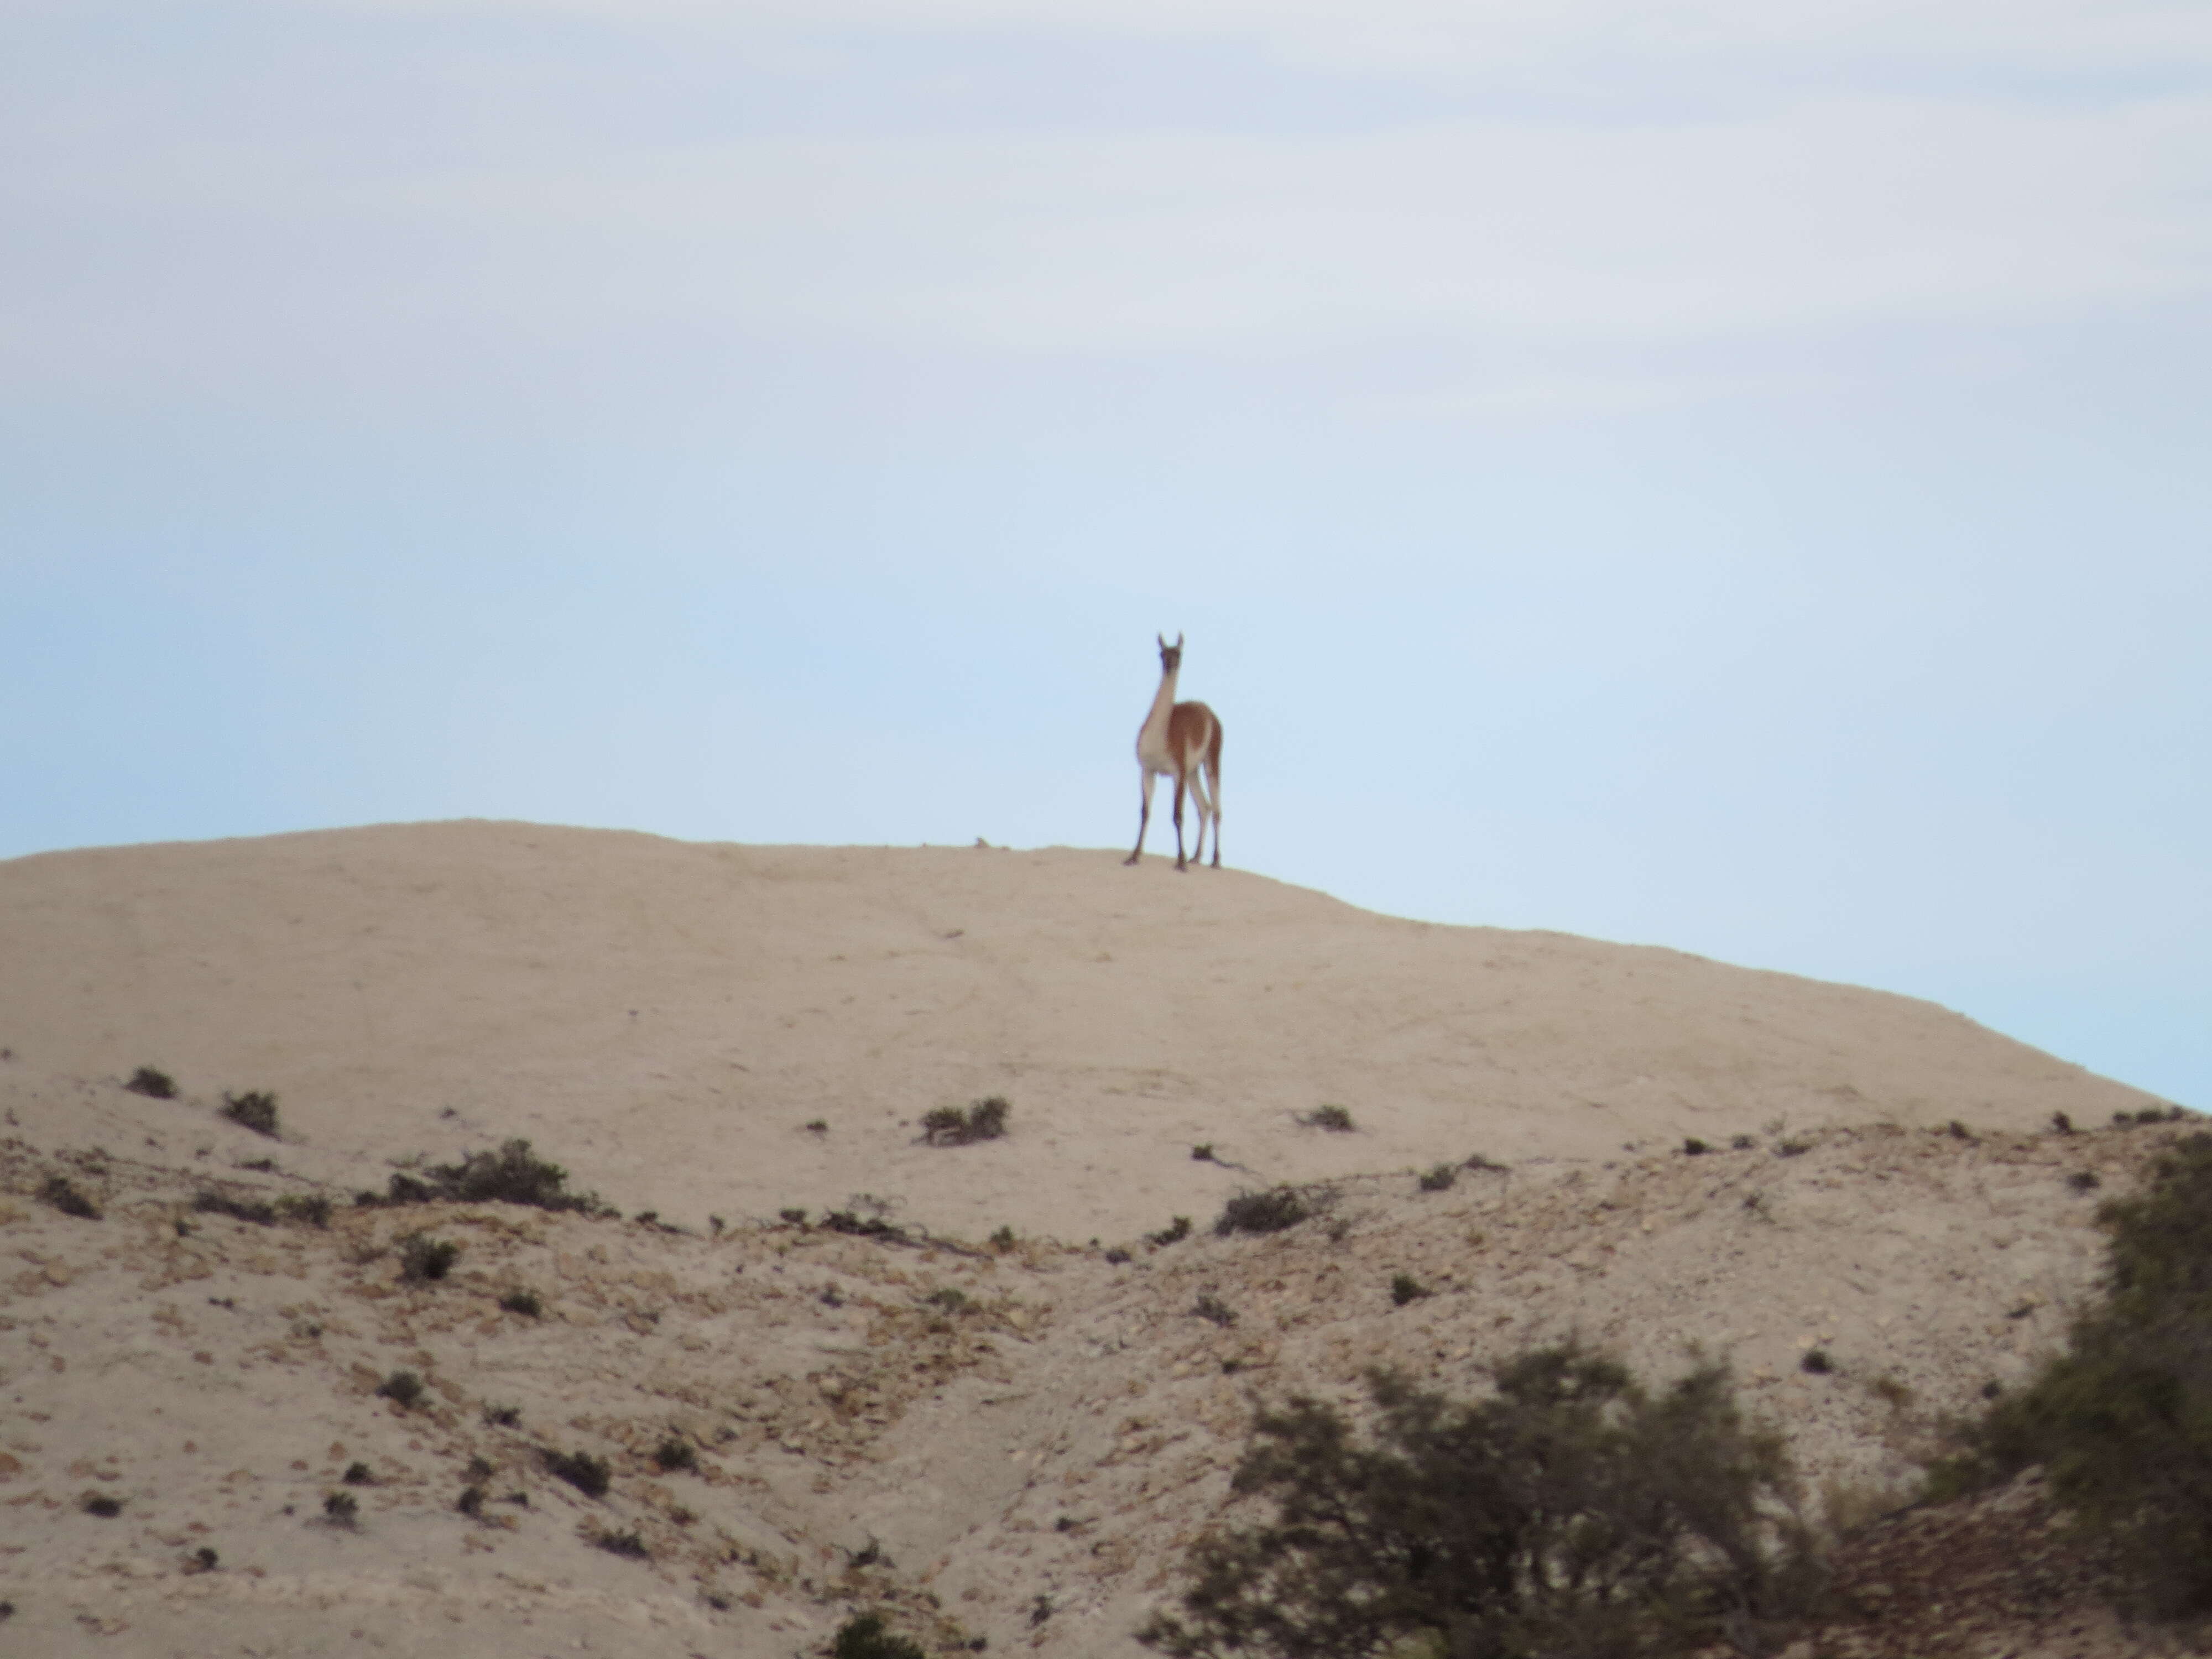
(1153, 735)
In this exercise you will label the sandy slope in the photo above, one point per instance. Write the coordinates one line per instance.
(666, 1017)
(1028, 1456)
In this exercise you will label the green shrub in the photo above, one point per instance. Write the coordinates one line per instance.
(512, 1174)
(1267, 1212)
(1570, 1514)
(314, 1209)
(674, 1453)
(1213, 1309)
(255, 1109)
(524, 1303)
(402, 1388)
(863, 1636)
(423, 1259)
(1334, 1119)
(1405, 1288)
(341, 1509)
(1174, 1233)
(2122, 1421)
(586, 1474)
(153, 1084)
(239, 1209)
(623, 1543)
(61, 1192)
(950, 1126)
(1440, 1179)
(99, 1504)
(1694, 1147)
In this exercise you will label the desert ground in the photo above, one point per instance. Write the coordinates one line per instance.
(827, 1362)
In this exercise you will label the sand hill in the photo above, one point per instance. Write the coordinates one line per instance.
(1009, 1441)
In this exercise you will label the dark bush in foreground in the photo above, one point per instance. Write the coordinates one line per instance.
(423, 1259)
(951, 1126)
(341, 1509)
(1440, 1179)
(524, 1303)
(586, 1474)
(402, 1388)
(154, 1084)
(61, 1192)
(863, 1636)
(623, 1543)
(2122, 1421)
(1570, 1515)
(1269, 1211)
(99, 1504)
(255, 1109)
(1334, 1119)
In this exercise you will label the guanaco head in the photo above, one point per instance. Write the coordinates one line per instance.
(1170, 655)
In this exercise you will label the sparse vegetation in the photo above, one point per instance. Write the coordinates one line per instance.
(154, 1084)
(2122, 1421)
(1694, 1147)
(2062, 1124)
(1174, 1233)
(61, 1192)
(955, 1126)
(792, 1217)
(312, 1208)
(2084, 1180)
(99, 1504)
(512, 1174)
(424, 1260)
(1742, 1143)
(1334, 1119)
(1269, 1211)
(1440, 1179)
(818, 1127)
(627, 1544)
(1212, 1309)
(255, 1109)
(674, 1453)
(471, 1502)
(402, 1388)
(1792, 1148)
(1570, 1514)
(947, 1298)
(239, 1209)
(524, 1303)
(501, 1417)
(1816, 1361)
(341, 1509)
(586, 1474)
(1202, 1153)
(357, 1474)
(864, 1637)
(1003, 1239)
(1116, 1256)
(1405, 1288)
(1958, 1131)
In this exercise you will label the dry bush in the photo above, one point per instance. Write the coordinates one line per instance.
(2122, 1421)
(1571, 1516)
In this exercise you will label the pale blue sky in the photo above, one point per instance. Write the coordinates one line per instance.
(1729, 477)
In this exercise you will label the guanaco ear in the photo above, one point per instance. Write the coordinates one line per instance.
(1178, 641)
(1162, 639)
